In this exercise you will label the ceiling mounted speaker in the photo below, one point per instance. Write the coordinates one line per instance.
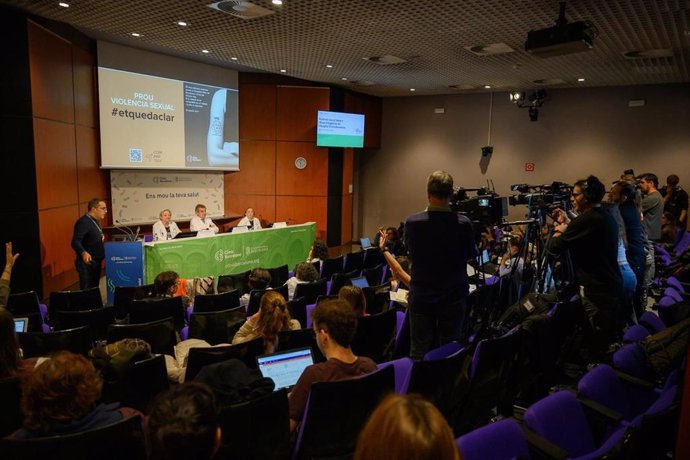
(241, 9)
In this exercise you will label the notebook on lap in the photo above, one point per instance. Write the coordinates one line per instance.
(285, 367)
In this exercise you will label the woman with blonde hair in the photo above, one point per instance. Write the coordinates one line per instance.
(406, 427)
(273, 316)
(165, 228)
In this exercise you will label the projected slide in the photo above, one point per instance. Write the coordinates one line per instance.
(336, 129)
(157, 123)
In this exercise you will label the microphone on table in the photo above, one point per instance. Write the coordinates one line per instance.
(129, 234)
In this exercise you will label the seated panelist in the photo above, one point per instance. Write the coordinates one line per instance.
(165, 228)
(200, 221)
(249, 221)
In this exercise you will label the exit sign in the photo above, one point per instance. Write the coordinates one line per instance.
(529, 167)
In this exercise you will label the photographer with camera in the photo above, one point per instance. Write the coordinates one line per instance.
(591, 238)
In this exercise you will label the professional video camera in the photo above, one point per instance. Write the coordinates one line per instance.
(541, 200)
(486, 207)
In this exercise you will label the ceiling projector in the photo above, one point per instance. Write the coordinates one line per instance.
(563, 38)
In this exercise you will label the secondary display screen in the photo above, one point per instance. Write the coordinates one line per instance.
(159, 123)
(337, 129)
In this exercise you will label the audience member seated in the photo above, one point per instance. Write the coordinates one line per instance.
(318, 252)
(10, 259)
(61, 397)
(165, 228)
(169, 284)
(305, 272)
(669, 230)
(183, 424)
(260, 279)
(406, 427)
(354, 296)
(400, 266)
(335, 325)
(10, 354)
(511, 258)
(393, 242)
(273, 316)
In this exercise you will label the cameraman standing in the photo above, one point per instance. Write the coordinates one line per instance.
(591, 238)
(676, 200)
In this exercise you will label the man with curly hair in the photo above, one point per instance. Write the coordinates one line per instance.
(61, 397)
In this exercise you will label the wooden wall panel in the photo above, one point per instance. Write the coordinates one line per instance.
(85, 97)
(371, 107)
(257, 173)
(57, 256)
(257, 112)
(93, 181)
(51, 75)
(296, 109)
(346, 219)
(312, 180)
(348, 170)
(264, 206)
(56, 169)
(301, 209)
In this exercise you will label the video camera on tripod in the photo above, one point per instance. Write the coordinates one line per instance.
(541, 200)
(486, 207)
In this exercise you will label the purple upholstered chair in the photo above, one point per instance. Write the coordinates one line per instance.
(635, 334)
(652, 322)
(560, 419)
(631, 360)
(502, 440)
(402, 368)
(443, 351)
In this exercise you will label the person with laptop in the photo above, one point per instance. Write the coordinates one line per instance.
(200, 221)
(335, 325)
(249, 221)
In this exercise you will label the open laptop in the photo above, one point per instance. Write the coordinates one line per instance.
(285, 367)
(240, 229)
(366, 243)
(361, 282)
(279, 225)
(21, 324)
(185, 235)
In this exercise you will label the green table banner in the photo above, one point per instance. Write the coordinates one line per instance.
(230, 253)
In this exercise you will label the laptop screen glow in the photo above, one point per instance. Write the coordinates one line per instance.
(285, 367)
(361, 282)
(20, 324)
(365, 242)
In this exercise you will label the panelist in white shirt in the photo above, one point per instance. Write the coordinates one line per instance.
(200, 221)
(249, 221)
(165, 228)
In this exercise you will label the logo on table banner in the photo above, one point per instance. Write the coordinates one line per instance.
(224, 254)
(249, 250)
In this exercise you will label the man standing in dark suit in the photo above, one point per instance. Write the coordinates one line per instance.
(87, 242)
(439, 243)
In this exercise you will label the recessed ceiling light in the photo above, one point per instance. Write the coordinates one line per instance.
(344, 78)
(487, 86)
(412, 89)
(135, 34)
(283, 70)
(329, 66)
(205, 51)
(63, 4)
(233, 58)
(182, 23)
(277, 2)
(580, 79)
